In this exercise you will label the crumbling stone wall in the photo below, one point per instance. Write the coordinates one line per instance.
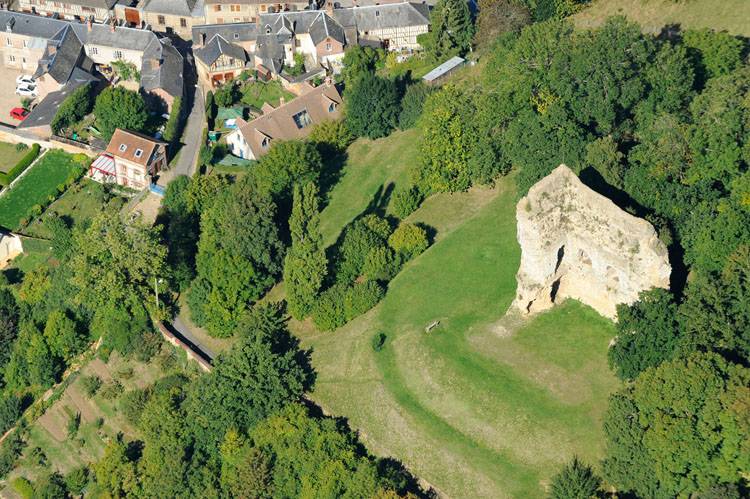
(576, 243)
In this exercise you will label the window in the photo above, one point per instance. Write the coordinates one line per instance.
(236, 36)
(377, 13)
(234, 8)
(328, 47)
(23, 60)
(183, 22)
(138, 153)
(11, 58)
(331, 107)
(94, 50)
(264, 143)
(161, 20)
(8, 42)
(302, 119)
(117, 54)
(217, 8)
(25, 44)
(123, 147)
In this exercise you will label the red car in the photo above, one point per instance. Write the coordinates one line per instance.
(18, 113)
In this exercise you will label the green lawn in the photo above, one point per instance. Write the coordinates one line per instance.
(39, 182)
(730, 15)
(10, 156)
(257, 93)
(486, 405)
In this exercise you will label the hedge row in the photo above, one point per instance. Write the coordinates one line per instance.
(23, 163)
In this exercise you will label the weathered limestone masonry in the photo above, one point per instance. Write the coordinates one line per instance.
(576, 243)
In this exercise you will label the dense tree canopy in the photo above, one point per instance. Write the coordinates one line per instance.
(117, 107)
(372, 107)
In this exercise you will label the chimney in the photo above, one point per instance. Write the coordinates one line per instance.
(329, 7)
(155, 63)
(9, 24)
(89, 23)
(328, 81)
(203, 39)
(112, 26)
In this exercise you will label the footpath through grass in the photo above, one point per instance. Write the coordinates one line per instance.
(39, 182)
(730, 15)
(485, 405)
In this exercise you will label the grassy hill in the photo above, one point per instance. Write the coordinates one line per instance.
(730, 15)
(484, 405)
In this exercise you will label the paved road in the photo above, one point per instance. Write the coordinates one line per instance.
(186, 333)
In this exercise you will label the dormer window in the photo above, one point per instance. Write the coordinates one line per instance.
(331, 107)
(264, 143)
(377, 13)
(138, 153)
(236, 36)
(123, 147)
(328, 47)
(268, 29)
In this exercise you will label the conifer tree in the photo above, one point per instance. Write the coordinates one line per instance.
(452, 29)
(305, 264)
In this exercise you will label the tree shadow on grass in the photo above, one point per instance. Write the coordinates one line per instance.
(333, 166)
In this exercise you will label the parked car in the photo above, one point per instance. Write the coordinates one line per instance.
(18, 113)
(25, 80)
(27, 90)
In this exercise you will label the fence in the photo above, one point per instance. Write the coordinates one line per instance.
(15, 136)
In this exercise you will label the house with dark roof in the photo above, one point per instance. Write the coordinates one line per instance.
(63, 55)
(164, 16)
(99, 10)
(219, 60)
(244, 11)
(395, 26)
(291, 120)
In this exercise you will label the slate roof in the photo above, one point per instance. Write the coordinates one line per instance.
(62, 55)
(185, 8)
(120, 37)
(45, 111)
(270, 50)
(315, 22)
(235, 32)
(279, 124)
(163, 67)
(375, 17)
(217, 46)
(30, 25)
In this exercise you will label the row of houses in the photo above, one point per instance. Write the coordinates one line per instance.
(321, 36)
(176, 16)
(63, 55)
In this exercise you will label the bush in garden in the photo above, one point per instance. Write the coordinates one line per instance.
(360, 298)
(328, 313)
(408, 240)
(406, 201)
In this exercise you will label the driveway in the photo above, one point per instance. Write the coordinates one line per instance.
(8, 97)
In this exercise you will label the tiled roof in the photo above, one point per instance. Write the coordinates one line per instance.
(126, 144)
(279, 123)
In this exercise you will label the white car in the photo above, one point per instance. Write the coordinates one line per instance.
(25, 80)
(27, 90)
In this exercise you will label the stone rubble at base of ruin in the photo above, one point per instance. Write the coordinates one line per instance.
(576, 243)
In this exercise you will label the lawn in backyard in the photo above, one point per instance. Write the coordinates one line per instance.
(730, 15)
(39, 182)
(257, 93)
(10, 156)
(487, 404)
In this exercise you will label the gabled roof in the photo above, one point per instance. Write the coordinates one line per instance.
(315, 22)
(235, 32)
(162, 68)
(62, 55)
(44, 112)
(185, 8)
(279, 123)
(125, 144)
(375, 17)
(216, 47)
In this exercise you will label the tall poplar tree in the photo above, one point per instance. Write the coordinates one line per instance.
(305, 264)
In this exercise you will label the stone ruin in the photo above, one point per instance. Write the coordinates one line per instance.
(576, 243)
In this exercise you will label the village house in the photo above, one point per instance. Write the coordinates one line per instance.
(131, 160)
(291, 120)
(239, 11)
(63, 55)
(99, 10)
(172, 16)
(223, 51)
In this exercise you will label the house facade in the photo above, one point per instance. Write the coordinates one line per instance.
(291, 120)
(99, 10)
(131, 160)
(244, 11)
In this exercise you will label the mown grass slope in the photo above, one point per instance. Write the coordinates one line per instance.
(485, 405)
(730, 15)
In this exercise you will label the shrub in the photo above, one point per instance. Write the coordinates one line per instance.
(91, 385)
(226, 95)
(408, 240)
(372, 107)
(23, 163)
(23, 487)
(174, 123)
(360, 298)
(132, 404)
(10, 411)
(406, 201)
(381, 264)
(112, 390)
(73, 424)
(332, 134)
(73, 108)
(412, 104)
(378, 342)
(575, 481)
(77, 480)
(21, 147)
(10, 449)
(360, 237)
(328, 312)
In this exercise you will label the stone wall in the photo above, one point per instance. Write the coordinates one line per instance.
(576, 243)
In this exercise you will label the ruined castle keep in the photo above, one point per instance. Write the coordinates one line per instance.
(576, 243)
